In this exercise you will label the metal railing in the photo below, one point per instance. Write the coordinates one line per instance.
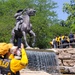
(67, 45)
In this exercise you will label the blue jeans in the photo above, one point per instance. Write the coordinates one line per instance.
(19, 42)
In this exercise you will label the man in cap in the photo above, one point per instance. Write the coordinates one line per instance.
(9, 65)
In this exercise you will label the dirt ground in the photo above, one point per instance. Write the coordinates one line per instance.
(28, 72)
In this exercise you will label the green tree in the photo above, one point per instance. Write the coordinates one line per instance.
(45, 17)
(44, 22)
(70, 10)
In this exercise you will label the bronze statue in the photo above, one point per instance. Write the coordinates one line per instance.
(23, 26)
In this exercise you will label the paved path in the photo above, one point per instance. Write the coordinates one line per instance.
(28, 72)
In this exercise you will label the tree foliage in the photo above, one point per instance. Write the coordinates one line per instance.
(70, 10)
(45, 23)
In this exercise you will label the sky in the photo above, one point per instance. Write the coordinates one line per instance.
(61, 15)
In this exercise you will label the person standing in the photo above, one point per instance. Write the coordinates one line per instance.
(71, 38)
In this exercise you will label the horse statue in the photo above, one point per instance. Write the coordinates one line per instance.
(25, 28)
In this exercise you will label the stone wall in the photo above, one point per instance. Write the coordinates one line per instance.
(66, 59)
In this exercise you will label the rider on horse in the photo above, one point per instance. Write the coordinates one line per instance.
(23, 27)
(19, 19)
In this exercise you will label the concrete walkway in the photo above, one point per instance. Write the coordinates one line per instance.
(28, 72)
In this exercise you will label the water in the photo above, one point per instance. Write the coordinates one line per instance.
(46, 61)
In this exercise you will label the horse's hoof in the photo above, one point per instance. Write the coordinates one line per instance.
(36, 48)
(29, 47)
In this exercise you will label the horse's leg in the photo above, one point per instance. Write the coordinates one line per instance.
(34, 37)
(24, 35)
(12, 37)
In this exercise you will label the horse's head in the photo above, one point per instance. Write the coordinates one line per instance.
(30, 11)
